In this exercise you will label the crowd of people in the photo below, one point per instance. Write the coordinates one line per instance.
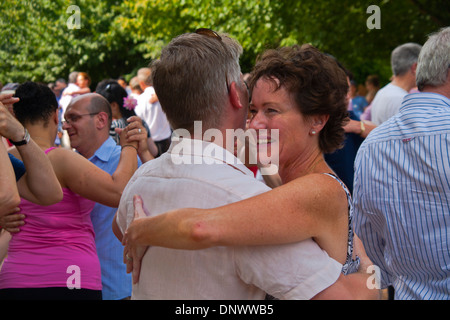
(139, 203)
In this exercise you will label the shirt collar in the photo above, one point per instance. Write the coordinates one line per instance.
(194, 151)
(419, 98)
(106, 150)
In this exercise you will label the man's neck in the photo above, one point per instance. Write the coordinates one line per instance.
(442, 90)
(403, 82)
(90, 149)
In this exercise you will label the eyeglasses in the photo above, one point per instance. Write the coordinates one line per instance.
(75, 117)
(212, 34)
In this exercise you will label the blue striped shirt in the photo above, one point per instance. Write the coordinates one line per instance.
(402, 198)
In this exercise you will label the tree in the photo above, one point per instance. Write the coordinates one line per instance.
(118, 37)
(36, 43)
(337, 27)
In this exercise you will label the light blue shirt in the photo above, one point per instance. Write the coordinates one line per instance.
(115, 280)
(402, 198)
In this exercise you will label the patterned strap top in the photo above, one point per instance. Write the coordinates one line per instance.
(351, 265)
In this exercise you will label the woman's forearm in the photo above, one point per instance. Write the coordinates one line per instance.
(282, 215)
(9, 195)
(126, 167)
(178, 229)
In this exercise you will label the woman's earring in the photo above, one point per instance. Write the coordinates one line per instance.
(313, 132)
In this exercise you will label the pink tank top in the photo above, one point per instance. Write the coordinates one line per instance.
(55, 247)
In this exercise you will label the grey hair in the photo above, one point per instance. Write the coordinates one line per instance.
(145, 75)
(434, 60)
(73, 77)
(192, 78)
(403, 57)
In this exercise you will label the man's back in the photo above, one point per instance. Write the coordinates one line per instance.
(402, 198)
(387, 102)
(219, 272)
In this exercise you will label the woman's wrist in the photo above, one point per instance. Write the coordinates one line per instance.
(130, 145)
(363, 127)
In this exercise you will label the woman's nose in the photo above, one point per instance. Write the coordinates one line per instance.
(258, 121)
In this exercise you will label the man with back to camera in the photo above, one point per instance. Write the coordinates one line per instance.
(402, 174)
(388, 99)
(149, 109)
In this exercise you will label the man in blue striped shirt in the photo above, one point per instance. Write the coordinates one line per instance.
(402, 184)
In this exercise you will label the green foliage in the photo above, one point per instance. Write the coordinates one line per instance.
(36, 43)
(118, 37)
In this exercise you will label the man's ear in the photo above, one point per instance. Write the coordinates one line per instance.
(102, 120)
(235, 96)
(414, 68)
(56, 117)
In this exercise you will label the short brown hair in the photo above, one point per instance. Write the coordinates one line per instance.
(316, 82)
(85, 76)
(192, 76)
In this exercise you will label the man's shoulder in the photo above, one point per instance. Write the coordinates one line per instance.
(146, 94)
(390, 91)
(108, 152)
(218, 176)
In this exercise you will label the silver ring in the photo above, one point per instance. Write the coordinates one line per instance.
(128, 258)
(139, 130)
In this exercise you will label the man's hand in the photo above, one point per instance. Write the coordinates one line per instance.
(359, 251)
(137, 135)
(12, 221)
(133, 253)
(8, 100)
(9, 126)
(137, 132)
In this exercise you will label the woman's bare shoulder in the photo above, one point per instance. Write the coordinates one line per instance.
(322, 193)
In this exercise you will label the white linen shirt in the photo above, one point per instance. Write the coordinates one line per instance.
(153, 115)
(292, 271)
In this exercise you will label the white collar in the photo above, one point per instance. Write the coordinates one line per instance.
(194, 151)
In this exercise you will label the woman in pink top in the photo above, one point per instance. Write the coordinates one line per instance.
(54, 254)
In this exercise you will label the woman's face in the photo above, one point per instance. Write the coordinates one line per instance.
(82, 82)
(276, 111)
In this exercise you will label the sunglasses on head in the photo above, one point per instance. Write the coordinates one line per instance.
(212, 34)
(209, 33)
